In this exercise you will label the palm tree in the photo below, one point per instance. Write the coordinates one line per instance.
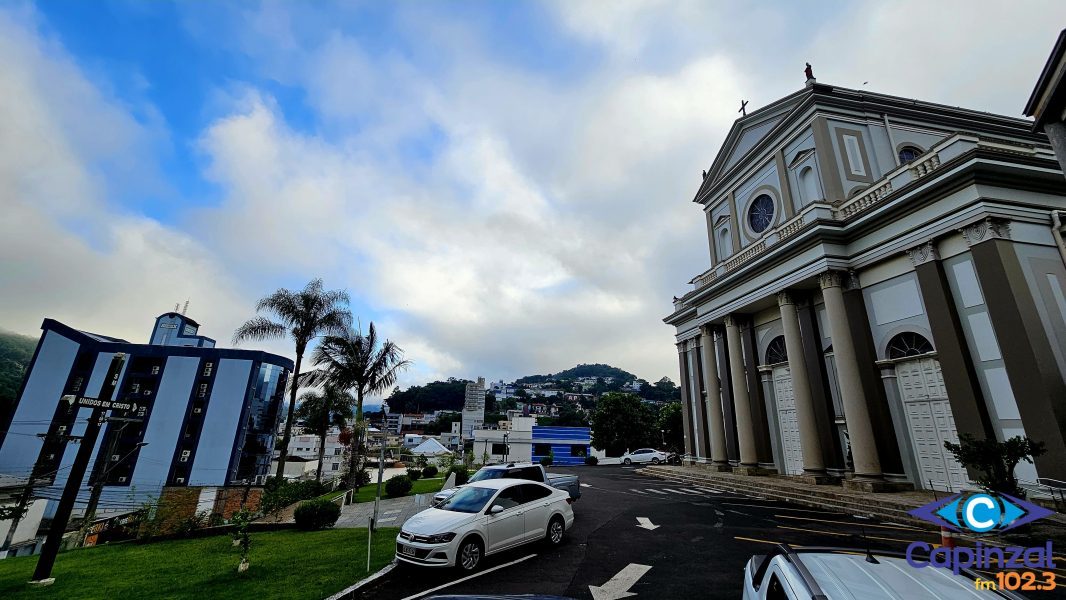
(357, 362)
(303, 315)
(320, 411)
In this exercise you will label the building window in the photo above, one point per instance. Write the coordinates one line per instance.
(542, 449)
(499, 449)
(207, 369)
(155, 370)
(135, 387)
(579, 451)
(761, 213)
(725, 242)
(908, 154)
(775, 351)
(336, 452)
(203, 390)
(336, 466)
(76, 386)
(907, 344)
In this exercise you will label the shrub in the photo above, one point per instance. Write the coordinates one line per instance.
(996, 460)
(316, 514)
(461, 474)
(397, 486)
(548, 460)
(281, 494)
(414, 474)
(591, 460)
(429, 471)
(362, 477)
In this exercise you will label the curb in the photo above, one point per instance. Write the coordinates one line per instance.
(349, 591)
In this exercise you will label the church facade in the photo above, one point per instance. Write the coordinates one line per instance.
(883, 278)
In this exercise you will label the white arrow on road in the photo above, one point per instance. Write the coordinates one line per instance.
(618, 586)
(645, 523)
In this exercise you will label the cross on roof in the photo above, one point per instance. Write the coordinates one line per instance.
(743, 108)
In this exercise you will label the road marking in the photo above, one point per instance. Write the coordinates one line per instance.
(618, 586)
(851, 523)
(747, 539)
(660, 492)
(645, 523)
(673, 491)
(638, 491)
(468, 578)
(821, 512)
(692, 491)
(872, 537)
(585, 485)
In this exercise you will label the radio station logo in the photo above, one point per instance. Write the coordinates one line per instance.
(980, 513)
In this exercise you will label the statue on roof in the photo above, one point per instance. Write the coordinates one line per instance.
(809, 72)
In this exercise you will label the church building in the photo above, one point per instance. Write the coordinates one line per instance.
(883, 277)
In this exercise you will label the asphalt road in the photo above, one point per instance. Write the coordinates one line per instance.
(699, 549)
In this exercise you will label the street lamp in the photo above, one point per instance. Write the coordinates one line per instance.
(662, 432)
(506, 446)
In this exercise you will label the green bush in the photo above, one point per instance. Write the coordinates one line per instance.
(316, 514)
(414, 474)
(461, 474)
(397, 486)
(429, 471)
(996, 460)
(548, 460)
(591, 460)
(362, 477)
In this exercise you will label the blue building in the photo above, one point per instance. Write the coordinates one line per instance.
(199, 415)
(568, 445)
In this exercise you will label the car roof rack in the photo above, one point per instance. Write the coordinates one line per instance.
(786, 552)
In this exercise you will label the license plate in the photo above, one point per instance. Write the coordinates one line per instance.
(408, 550)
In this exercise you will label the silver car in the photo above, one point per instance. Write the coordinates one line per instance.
(644, 455)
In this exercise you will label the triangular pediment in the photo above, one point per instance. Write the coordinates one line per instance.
(748, 132)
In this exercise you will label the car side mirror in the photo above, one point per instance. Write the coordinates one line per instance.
(496, 509)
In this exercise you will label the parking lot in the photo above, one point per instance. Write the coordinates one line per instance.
(695, 540)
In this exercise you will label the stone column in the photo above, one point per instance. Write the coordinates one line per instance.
(686, 408)
(699, 420)
(856, 413)
(813, 464)
(715, 418)
(749, 459)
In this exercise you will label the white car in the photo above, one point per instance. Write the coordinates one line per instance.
(644, 455)
(484, 518)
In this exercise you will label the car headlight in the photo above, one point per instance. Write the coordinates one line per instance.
(440, 538)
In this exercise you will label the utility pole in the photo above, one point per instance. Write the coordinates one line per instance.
(381, 473)
(42, 574)
(101, 479)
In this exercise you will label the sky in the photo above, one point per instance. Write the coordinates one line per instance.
(504, 188)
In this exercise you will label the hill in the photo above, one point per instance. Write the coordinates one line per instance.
(15, 354)
(580, 371)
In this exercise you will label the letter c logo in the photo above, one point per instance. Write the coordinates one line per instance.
(981, 513)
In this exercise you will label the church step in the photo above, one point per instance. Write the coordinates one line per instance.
(832, 498)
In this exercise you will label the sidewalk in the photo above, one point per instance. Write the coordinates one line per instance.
(392, 512)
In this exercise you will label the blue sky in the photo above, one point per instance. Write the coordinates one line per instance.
(502, 186)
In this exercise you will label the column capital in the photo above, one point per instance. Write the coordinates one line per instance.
(785, 297)
(845, 280)
(732, 320)
(923, 253)
(681, 346)
(987, 229)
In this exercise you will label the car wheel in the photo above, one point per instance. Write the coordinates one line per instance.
(655, 460)
(469, 557)
(556, 529)
(626, 461)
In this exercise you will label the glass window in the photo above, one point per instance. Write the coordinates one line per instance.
(541, 449)
(533, 491)
(907, 344)
(579, 451)
(531, 473)
(761, 213)
(509, 498)
(908, 154)
(775, 590)
(775, 351)
(485, 474)
(469, 499)
(499, 448)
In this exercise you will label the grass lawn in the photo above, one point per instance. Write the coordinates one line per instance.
(284, 564)
(422, 486)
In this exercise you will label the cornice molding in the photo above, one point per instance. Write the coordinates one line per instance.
(989, 228)
(923, 253)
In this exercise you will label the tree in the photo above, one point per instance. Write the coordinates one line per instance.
(995, 459)
(621, 422)
(671, 425)
(361, 363)
(302, 315)
(320, 412)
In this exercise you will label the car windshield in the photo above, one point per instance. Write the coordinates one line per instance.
(468, 500)
(486, 474)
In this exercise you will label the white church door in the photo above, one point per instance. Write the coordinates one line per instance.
(786, 417)
(929, 419)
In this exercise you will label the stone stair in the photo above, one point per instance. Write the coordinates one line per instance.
(883, 506)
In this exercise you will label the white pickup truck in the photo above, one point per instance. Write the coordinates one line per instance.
(528, 471)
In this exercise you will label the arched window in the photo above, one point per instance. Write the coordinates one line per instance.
(776, 352)
(809, 186)
(907, 344)
(725, 243)
(908, 154)
(761, 213)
